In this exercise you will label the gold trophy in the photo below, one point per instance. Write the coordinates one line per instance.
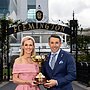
(40, 78)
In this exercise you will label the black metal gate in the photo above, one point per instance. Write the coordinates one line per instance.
(4, 53)
(6, 31)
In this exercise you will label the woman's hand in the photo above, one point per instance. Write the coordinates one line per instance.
(34, 83)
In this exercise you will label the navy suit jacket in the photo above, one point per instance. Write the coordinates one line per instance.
(64, 71)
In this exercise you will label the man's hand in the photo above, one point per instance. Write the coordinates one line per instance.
(50, 83)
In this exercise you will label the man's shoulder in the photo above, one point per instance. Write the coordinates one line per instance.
(65, 52)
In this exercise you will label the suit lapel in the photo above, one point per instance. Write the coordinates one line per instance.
(48, 58)
(59, 58)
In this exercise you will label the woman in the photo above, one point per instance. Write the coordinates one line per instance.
(24, 68)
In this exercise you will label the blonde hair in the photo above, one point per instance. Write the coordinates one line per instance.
(22, 43)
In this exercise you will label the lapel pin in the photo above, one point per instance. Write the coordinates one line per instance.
(61, 55)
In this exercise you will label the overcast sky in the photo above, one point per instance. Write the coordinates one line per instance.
(63, 10)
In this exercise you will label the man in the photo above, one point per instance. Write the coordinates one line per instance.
(63, 72)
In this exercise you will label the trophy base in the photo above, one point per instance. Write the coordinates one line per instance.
(39, 83)
(43, 81)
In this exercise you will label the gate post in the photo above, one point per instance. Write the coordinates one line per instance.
(5, 48)
(74, 28)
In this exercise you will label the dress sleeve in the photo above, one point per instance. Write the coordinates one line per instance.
(16, 69)
(24, 68)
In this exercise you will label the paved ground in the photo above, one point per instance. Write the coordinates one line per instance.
(8, 86)
(78, 86)
(11, 86)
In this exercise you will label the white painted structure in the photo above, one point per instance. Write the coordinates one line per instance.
(23, 10)
(44, 8)
(21, 7)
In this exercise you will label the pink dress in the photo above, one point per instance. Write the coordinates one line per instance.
(26, 72)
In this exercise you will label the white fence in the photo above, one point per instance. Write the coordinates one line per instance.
(39, 47)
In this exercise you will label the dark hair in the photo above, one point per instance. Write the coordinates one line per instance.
(55, 36)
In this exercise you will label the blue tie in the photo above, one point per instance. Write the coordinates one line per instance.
(53, 61)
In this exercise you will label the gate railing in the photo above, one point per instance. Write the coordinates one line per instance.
(83, 73)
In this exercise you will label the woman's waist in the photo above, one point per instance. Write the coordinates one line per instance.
(27, 78)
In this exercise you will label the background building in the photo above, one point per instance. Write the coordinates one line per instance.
(25, 11)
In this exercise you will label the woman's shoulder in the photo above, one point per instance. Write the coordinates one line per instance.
(18, 60)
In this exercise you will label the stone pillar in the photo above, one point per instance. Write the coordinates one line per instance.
(22, 10)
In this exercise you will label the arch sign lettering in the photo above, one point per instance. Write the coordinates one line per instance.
(32, 26)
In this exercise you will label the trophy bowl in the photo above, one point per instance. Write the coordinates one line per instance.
(40, 79)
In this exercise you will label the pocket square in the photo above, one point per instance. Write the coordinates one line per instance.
(60, 62)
